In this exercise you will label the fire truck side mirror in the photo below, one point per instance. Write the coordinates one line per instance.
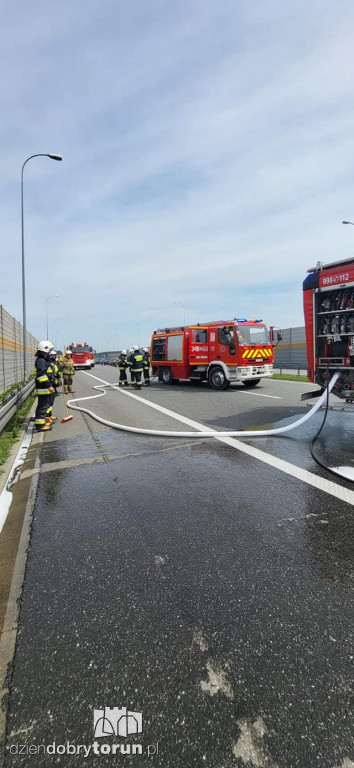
(272, 331)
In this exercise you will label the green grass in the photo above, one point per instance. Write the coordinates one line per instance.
(10, 389)
(11, 433)
(290, 377)
(14, 387)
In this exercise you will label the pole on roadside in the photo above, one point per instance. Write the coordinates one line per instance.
(52, 157)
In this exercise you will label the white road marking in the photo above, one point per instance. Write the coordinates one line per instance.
(6, 494)
(258, 394)
(327, 486)
(345, 470)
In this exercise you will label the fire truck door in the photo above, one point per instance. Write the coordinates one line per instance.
(198, 345)
(225, 343)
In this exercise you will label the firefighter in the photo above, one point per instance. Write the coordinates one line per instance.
(44, 388)
(51, 377)
(136, 367)
(123, 365)
(57, 367)
(68, 371)
(146, 366)
(54, 376)
(130, 362)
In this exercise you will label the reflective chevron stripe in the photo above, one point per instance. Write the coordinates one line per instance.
(249, 353)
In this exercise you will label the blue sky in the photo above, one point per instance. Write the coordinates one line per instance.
(208, 153)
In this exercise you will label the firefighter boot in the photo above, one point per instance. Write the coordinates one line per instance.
(44, 428)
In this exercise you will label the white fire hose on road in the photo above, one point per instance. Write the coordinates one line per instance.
(210, 433)
(346, 474)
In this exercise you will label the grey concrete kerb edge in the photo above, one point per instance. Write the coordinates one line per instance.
(9, 632)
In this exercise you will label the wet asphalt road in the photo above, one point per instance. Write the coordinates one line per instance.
(191, 582)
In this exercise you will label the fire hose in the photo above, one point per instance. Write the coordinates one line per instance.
(102, 389)
(210, 433)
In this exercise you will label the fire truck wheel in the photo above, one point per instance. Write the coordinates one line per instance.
(167, 377)
(217, 378)
(252, 383)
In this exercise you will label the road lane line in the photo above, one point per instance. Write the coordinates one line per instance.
(327, 486)
(258, 394)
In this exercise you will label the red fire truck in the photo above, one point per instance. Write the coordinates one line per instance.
(83, 355)
(329, 322)
(217, 352)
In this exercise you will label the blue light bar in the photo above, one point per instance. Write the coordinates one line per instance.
(241, 319)
(258, 321)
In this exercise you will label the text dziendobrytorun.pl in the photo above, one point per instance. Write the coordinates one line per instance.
(97, 748)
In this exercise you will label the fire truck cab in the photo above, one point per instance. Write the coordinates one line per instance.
(83, 355)
(219, 352)
(329, 324)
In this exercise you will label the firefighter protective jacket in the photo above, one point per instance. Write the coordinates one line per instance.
(122, 363)
(50, 372)
(57, 374)
(146, 361)
(136, 362)
(68, 366)
(43, 381)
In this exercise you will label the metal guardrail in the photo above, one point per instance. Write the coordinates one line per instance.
(17, 398)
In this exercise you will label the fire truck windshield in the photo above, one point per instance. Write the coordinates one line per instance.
(252, 334)
(77, 350)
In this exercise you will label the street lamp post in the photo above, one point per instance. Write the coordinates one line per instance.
(55, 323)
(46, 310)
(184, 311)
(348, 222)
(52, 157)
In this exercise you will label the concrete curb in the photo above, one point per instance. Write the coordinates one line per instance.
(9, 632)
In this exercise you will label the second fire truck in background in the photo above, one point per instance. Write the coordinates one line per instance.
(217, 352)
(83, 355)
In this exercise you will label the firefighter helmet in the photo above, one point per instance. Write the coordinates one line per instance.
(68, 352)
(145, 349)
(123, 352)
(45, 346)
(135, 348)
